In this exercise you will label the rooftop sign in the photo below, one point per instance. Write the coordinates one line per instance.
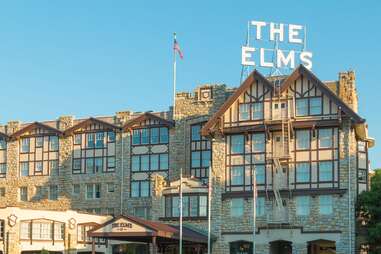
(276, 45)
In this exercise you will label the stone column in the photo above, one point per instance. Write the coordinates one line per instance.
(262, 249)
(299, 248)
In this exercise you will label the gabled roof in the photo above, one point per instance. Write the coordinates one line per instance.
(301, 70)
(153, 228)
(145, 116)
(89, 121)
(33, 126)
(255, 75)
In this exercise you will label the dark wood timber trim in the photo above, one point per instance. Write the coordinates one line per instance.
(33, 126)
(145, 116)
(89, 121)
(255, 75)
(303, 71)
(284, 193)
(5, 136)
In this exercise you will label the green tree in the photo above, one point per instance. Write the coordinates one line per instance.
(369, 212)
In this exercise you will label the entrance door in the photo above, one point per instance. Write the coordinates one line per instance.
(130, 248)
(277, 145)
(321, 247)
(281, 247)
(241, 247)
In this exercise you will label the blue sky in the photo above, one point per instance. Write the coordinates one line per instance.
(88, 58)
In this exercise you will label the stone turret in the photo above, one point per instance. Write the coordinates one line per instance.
(347, 89)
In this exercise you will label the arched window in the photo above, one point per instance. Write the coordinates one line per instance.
(241, 247)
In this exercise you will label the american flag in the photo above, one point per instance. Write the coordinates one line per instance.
(176, 48)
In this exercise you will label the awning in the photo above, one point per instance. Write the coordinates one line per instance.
(130, 228)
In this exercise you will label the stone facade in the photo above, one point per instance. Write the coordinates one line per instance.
(199, 107)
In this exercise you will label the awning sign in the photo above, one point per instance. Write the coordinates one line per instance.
(276, 45)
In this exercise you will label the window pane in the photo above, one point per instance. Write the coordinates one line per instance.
(144, 189)
(325, 171)
(237, 176)
(77, 139)
(258, 142)
(145, 136)
(237, 144)
(325, 204)
(39, 141)
(77, 164)
(154, 162)
(136, 137)
(90, 165)
(302, 139)
(196, 132)
(196, 162)
(260, 174)
(185, 206)
(301, 107)
(111, 136)
(237, 207)
(53, 143)
(99, 140)
(90, 140)
(203, 205)
(315, 106)
(24, 168)
(39, 166)
(154, 135)
(303, 205)
(135, 163)
(144, 162)
(193, 206)
(205, 158)
(302, 172)
(175, 207)
(257, 111)
(98, 164)
(363, 163)
(325, 138)
(244, 112)
(3, 144)
(164, 135)
(25, 145)
(134, 189)
(110, 162)
(164, 161)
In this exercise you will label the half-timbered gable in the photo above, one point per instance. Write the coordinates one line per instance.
(149, 151)
(38, 149)
(3, 154)
(94, 146)
(311, 98)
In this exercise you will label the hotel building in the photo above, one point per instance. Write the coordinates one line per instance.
(111, 184)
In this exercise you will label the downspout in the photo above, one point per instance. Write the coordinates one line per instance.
(349, 190)
(122, 178)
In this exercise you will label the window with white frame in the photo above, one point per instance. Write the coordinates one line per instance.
(237, 207)
(25, 230)
(93, 191)
(303, 205)
(25, 145)
(325, 205)
(244, 111)
(23, 193)
(194, 206)
(301, 107)
(315, 106)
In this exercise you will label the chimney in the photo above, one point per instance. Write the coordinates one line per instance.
(347, 89)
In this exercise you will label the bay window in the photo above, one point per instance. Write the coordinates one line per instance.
(194, 205)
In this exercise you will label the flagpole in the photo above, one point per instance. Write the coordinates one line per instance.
(254, 207)
(174, 77)
(209, 206)
(181, 211)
